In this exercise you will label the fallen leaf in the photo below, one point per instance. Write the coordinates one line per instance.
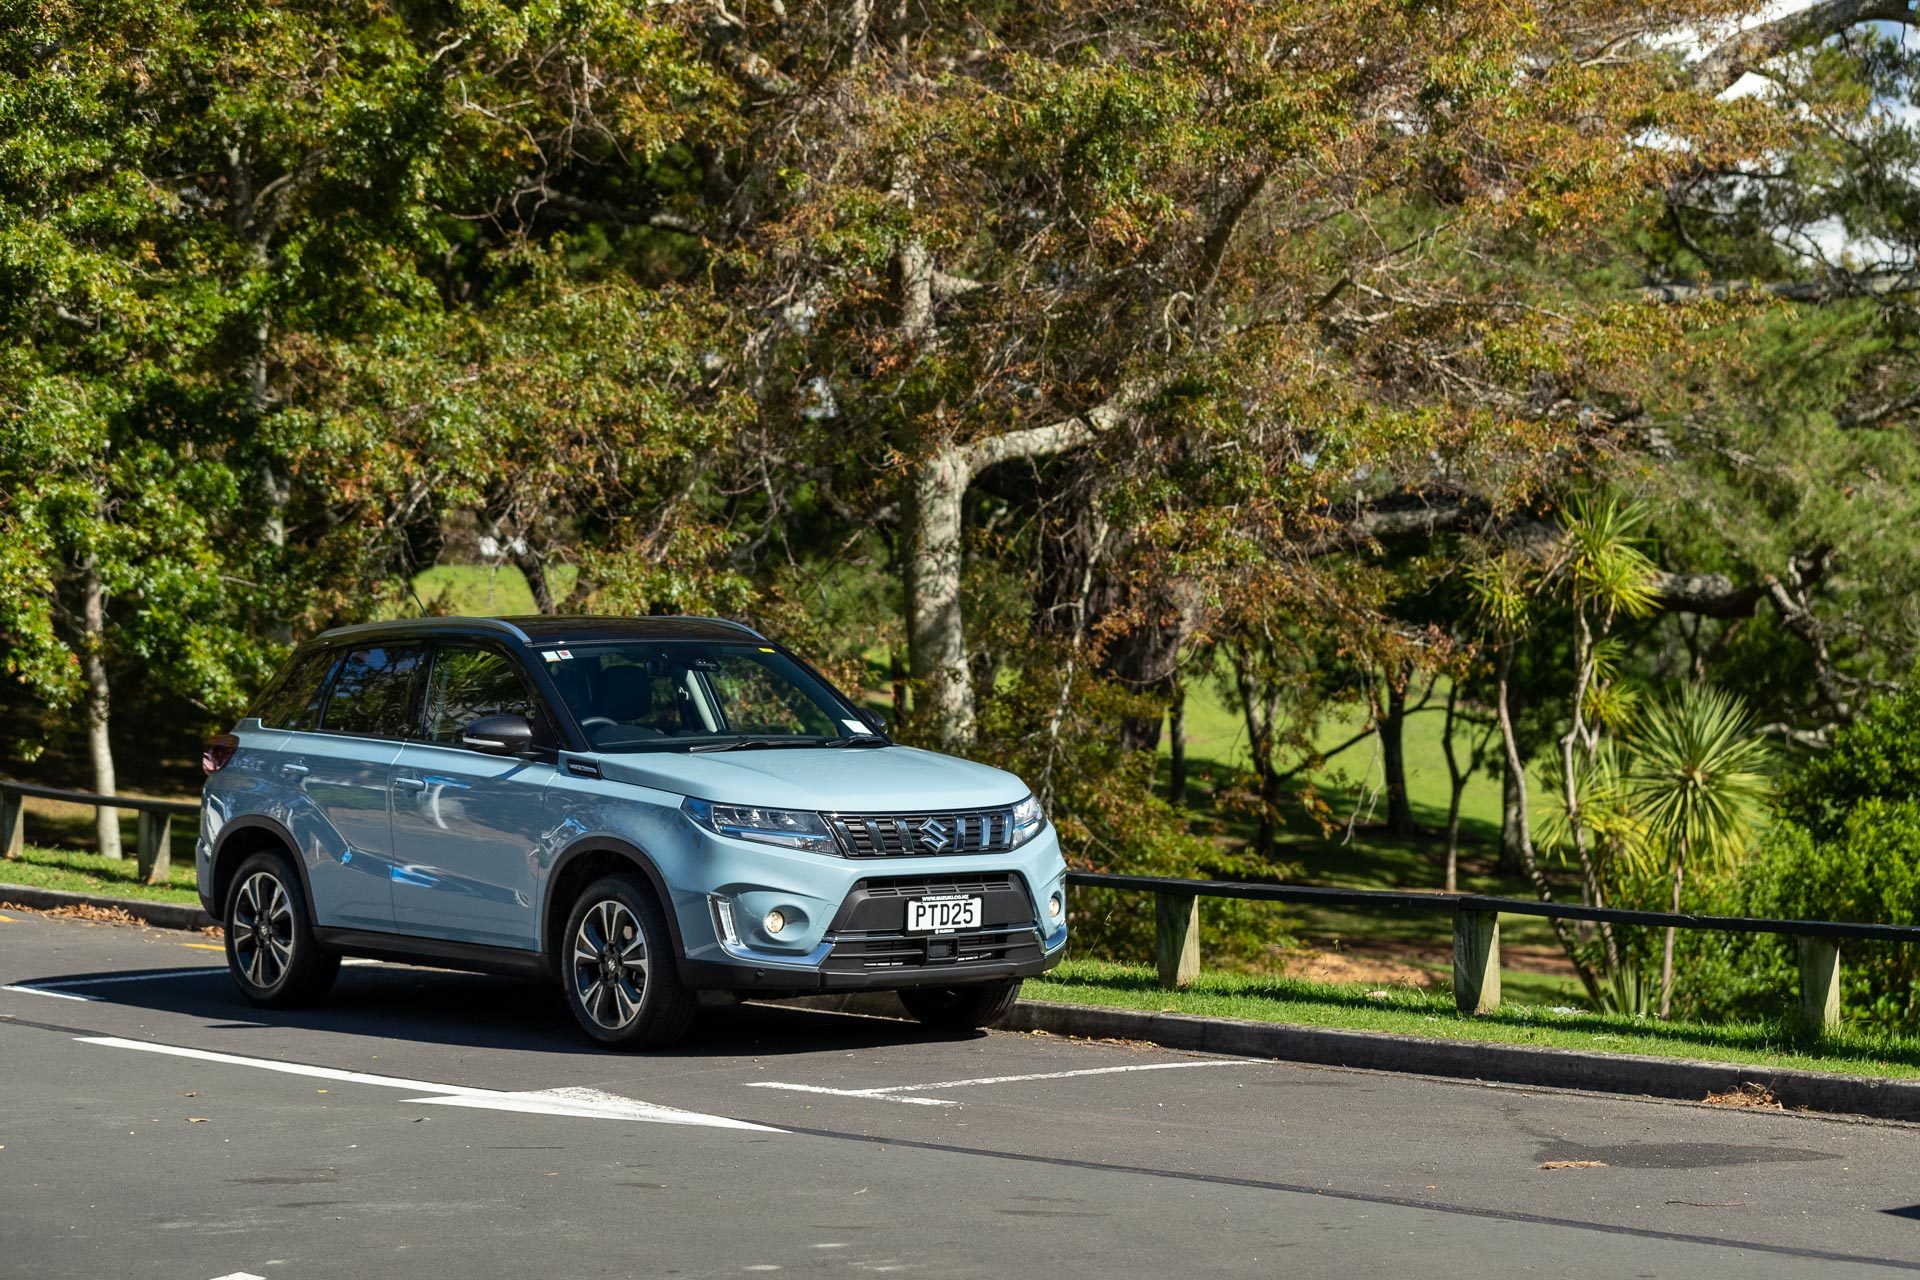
(190, 1095)
(1574, 1164)
(1749, 1094)
(196, 1119)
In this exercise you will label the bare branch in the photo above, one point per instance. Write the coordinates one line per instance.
(1763, 41)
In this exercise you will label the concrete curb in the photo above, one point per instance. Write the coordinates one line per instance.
(1684, 1079)
(163, 915)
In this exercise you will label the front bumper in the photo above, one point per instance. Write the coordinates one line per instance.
(854, 936)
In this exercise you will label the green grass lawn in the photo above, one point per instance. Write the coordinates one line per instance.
(78, 872)
(477, 590)
(1431, 1013)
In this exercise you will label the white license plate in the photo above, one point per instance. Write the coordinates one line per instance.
(942, 915)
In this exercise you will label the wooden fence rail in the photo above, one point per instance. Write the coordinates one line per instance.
(153, 844)
(1476, 931)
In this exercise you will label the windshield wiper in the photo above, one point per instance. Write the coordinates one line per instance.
(749, 744)
(858, 740)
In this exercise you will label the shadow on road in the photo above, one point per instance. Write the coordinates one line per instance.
(438, 1006)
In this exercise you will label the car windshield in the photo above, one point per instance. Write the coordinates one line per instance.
(688, 695)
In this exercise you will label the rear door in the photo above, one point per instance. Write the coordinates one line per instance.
(468, 825)
(344, 827)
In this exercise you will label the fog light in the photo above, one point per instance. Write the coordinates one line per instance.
(775, 921)
(1053, 907)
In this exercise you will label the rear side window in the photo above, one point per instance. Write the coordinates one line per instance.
(470, 684)
(293, 701)
(373, 694)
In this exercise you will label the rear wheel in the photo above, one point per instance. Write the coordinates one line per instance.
(968, 1008)
(617, 965)
(271, 952)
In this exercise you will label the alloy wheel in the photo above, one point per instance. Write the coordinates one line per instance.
(610, 964)
(263, 929)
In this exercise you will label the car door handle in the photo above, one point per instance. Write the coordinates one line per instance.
(295, 770)
(409, 784)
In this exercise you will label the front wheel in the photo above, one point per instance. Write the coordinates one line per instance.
(618, 968)
(968, 1008)
(271, 952)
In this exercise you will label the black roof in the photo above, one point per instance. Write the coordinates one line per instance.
(540, 628)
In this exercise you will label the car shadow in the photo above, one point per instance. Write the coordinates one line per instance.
(475, 1011)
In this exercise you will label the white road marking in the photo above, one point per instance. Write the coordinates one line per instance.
(901, 1092)
(550, 1102)
(57, 995)
(55, 987)
(873, 1094)
(240, 1275)
(146, 976)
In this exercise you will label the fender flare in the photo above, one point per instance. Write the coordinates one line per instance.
(632, 853)
(260, 822)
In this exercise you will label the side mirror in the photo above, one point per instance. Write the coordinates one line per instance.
(875, 721)
(499, 735)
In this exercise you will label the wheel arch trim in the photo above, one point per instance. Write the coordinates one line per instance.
(222, 874)
(550, 927)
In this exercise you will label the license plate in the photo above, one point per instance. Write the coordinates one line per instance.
(942, 915)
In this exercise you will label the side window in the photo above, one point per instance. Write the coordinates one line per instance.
(468, 684)
(374, 692)
(755, 700)
(293, 701)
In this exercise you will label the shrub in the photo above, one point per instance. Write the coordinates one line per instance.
(1877, 757)
(1869, 871)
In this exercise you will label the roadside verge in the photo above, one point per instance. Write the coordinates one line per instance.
(163, 915)
(1676, 1078)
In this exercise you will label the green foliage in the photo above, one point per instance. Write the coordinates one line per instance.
(1877, 757)
(1867, 871)
(1699, 777)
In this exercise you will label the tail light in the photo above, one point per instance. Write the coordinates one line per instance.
(218, 752)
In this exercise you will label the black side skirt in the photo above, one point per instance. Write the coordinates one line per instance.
(374, 945)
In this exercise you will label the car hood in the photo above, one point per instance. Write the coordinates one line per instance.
(828, 779)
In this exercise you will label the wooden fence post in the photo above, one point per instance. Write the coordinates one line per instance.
(1176, 938)
(1476, 961)
(155, 847)
(1819, 984)
(13, 835)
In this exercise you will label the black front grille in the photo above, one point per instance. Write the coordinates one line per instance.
(869, 930)
(864, 953)
(897, 835)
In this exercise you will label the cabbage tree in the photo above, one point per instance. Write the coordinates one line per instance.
(1699, 780)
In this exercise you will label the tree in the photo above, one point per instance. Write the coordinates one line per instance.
(1699, 779)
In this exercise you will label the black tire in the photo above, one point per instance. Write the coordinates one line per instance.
(618, 969)
(271, 952)
(968, 1008)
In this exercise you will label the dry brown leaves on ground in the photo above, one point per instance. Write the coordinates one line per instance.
(1345, 967)
(1749, 1094)
(79, 911)
(1574, 1164)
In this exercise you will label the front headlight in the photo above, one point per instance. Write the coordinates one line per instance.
(788, 828)
(1027, 821)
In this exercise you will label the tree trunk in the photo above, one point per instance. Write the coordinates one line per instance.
(1513, 812)
(534, 570)
(936, 642)
(1393, 760)
(1666, 950)
(897, 677)
(1457, 786)
(1177, 748)
(93, 661)
(1561, 930)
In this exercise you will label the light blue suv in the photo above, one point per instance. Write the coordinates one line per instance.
(641, 808)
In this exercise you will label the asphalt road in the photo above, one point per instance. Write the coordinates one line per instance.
(439, 1125)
